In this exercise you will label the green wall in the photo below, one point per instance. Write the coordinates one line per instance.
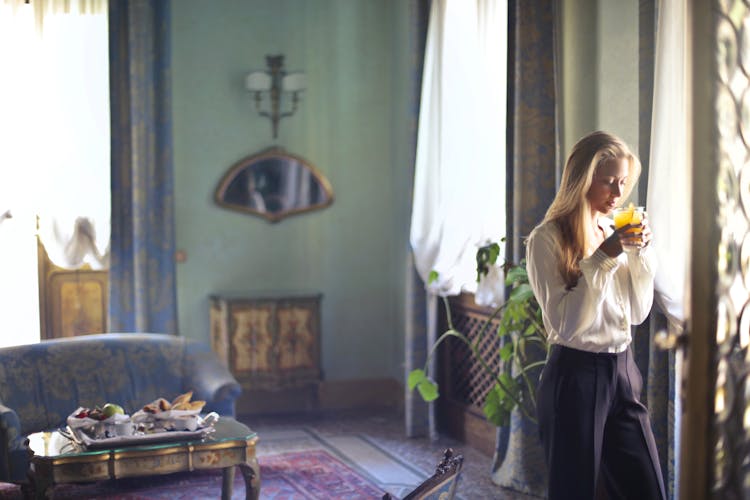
(354, 124)
(599, 70)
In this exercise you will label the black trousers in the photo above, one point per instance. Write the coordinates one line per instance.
(594, 429)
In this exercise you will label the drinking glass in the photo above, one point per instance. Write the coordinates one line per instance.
(629, 215)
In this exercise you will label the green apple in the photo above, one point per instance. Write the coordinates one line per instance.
(110, 409)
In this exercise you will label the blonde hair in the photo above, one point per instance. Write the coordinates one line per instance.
(570, 210)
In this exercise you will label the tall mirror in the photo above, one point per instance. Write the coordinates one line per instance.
(273, 184)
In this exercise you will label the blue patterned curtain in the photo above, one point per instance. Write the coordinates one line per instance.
(531, 184)
(142, 272)
(417, 412)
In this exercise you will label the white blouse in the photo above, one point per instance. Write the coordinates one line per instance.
(612, 294)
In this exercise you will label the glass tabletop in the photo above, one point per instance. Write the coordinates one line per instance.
(56, 444)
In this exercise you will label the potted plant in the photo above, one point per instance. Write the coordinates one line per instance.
(523, 349)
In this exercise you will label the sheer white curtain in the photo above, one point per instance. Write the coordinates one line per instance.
(459, 179)
(44, 8)
(669, 183)
(54, 159)
(459, 182)
(668, 200)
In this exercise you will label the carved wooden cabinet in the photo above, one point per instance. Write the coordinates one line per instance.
(271, 344)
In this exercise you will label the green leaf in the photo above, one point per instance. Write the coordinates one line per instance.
(494, 253)
(501, 330)
(507, 403)
(530, 330)
(516, 274)
(508, 382)
(507, 351)
(415, 377)
(486, 256)
(507, 398)
(521, 293)
(432, 277)
(514, 312)
(428, 390)
(494, 409)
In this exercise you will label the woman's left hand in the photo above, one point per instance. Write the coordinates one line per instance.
(646, 232)
(639, 239)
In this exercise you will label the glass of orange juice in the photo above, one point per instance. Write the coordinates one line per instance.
(628, 215)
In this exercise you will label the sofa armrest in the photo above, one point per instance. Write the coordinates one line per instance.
(14, 452)
(211, 381)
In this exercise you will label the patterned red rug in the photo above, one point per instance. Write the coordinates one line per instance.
(303, 475)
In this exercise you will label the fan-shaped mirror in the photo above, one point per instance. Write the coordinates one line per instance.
(273, 184)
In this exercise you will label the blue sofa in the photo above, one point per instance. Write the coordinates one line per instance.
(41, 384)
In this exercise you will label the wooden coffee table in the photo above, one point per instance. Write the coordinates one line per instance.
(58, 460)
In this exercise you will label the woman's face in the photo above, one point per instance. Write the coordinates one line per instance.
(607, 185)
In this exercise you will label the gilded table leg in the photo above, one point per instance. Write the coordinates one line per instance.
(227, 482)
(251, 473)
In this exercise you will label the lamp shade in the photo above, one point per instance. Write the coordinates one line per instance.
(258, 81)
(294, 82)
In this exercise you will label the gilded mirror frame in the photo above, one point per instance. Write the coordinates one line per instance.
(252, 185)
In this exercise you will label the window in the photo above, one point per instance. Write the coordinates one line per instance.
(54, 163)
(459, 183)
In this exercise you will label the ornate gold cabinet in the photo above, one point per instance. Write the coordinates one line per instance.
(271, 344)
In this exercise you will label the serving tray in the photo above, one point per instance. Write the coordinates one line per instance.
(139, 438)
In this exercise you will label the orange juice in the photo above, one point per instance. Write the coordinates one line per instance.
(629, 215)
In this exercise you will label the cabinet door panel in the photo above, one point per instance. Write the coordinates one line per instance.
(82, 307)
(297, 339)
(252, 342)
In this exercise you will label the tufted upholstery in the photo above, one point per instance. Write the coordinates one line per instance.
(41, 384)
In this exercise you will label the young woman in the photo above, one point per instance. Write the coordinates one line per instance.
(595, 431)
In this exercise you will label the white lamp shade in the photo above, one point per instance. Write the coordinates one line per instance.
(294, 82)
(258, 81)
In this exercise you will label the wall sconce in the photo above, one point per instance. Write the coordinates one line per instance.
(274, 82)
